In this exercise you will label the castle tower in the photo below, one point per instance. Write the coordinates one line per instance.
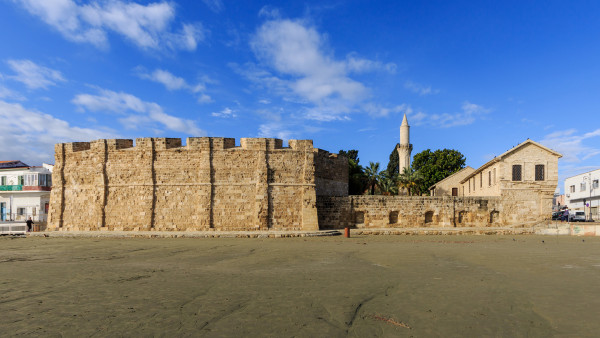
(405, 148)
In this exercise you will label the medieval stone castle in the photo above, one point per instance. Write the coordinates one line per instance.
(212, 184)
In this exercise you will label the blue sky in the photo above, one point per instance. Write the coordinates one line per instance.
(476, 76)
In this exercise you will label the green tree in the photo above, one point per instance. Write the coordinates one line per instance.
(388, 184)
(437, 165)
(373, 176)
(410, 180)
(356, 175)
(394, 163)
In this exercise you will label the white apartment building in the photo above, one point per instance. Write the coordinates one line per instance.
(24, 191)
(584, 187)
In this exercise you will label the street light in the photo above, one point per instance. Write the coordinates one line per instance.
(589, 179)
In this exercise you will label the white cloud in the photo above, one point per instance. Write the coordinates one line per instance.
(377, 110)
(214, 5)
(147, 112)
(420, 89)
(297, 65)
(172, 82)
(297, 50)
(470, 112)
(33, 75)
(32, 135)
(147, 26)
(360, 65)
(6, 93)
(225, 113)
(269, 12)
(275, 130)
(571, 145)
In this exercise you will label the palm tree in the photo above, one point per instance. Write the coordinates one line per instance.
(373, 176)
(388, 183)
(409, 180)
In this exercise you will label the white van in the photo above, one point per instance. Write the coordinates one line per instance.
(577, 216)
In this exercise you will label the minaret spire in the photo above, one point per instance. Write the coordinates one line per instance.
(405, 148)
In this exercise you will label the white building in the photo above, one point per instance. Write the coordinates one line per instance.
(24, 191)
(584, 187)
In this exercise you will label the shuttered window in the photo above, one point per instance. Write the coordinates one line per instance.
(516, 172)
(539, 172)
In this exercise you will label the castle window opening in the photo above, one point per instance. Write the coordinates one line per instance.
(461, 216)
(429, 217)
(393, 217)
(481, 179)
(359, 217)
(539, 172)
(516, 172)
(489, 178)
(494, 216)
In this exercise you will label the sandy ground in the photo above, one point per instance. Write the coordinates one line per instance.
(421, 286)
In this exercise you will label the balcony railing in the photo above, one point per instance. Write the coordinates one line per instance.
(11, 187)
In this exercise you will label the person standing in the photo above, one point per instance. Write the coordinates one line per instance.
(29, 224)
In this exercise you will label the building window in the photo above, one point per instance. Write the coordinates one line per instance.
(20, 211)
(21, 180)
(43, 180)
(454, 191)
(572, 188)
(582, 187)
(516, 172)
(595, 184)
(494, 175)
(539, 172)
(31, 180)
(489, 178)
(3, 180)
(481, 179)
(49, 180)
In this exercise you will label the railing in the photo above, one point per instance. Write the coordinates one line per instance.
(17, 217)
(11, 187)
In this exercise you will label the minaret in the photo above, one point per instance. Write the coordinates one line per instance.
(405, 147)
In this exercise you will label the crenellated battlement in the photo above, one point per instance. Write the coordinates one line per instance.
(192, 143)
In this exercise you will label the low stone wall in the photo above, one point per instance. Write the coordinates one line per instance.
(410, 212)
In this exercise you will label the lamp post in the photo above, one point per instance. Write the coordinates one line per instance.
(590, 182)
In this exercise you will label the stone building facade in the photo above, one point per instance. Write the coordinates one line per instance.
(210, 183)
(525, 177)
(450, 186)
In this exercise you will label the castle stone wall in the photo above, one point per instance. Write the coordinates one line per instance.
(420, 211)
(207, 184)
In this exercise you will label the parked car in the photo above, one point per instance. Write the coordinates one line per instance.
(578, 216)
(556, 215)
